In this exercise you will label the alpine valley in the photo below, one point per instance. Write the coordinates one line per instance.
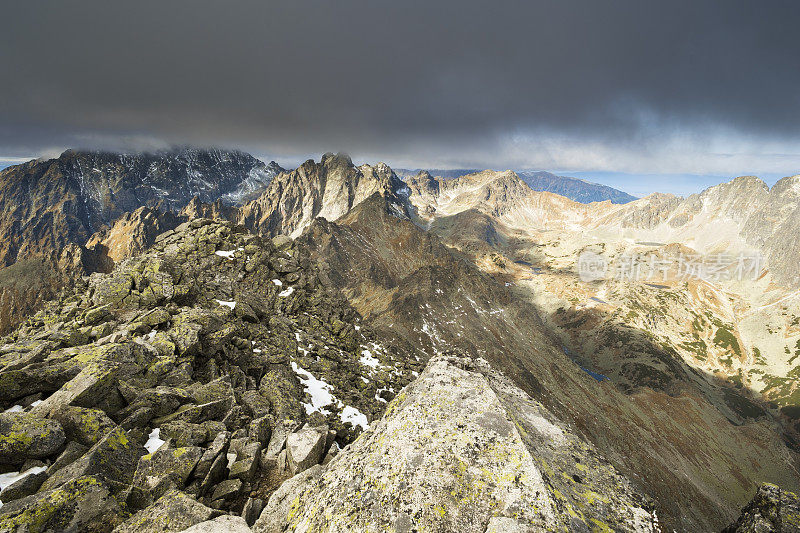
(196, 340)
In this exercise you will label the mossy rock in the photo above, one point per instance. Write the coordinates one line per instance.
(81, 505)
(113, 459)
(173, 512)
(24, 436)
(87, 426)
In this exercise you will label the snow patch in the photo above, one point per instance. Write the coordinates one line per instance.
(232, 305)
(277, 282)
(367, 359)
(322, 397)
(227, 254)
(319, 391)
(287, 292)
(355, 417)
(153, 441)
(14, 409)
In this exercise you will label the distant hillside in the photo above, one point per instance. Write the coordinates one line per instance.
(573, 188)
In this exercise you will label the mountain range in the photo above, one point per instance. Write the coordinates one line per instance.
(196, 339)
(573, 188)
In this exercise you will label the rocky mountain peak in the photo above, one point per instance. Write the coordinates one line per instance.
(328, 189)
(339, 159)
(789, 185)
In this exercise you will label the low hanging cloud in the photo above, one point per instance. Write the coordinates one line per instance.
(634, 86)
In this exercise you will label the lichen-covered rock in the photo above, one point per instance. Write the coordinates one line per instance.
(200, 339)
(160, 470)
(305, 448)
(278, 511)
(23, 487)
(113, 459)
(221, 524)
(227, 489)
(449, 455)
(81, 505)
(173, 512)
(86, 389)
(184, 433)
(87, 426)
(217, 448)
(771, 510)
(25, 436)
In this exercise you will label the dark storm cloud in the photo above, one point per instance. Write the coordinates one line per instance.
(397, 77)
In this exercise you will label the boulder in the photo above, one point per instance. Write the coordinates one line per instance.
(23, 487)
(164, 468)
(197, 413)
(255, 404)
(247, 462)
(252, 510)
(25, 436)
(172, 512)
(72, 451)
(274, 517)
(184, 433)
(457, 450)
(87, 426)
(83, 504)
(227, 490)
(221, 524)
(87, 389)
(279, 435)
(260, 429)
(113, 459)
(216, 473)
(218, 446)
(304, 448)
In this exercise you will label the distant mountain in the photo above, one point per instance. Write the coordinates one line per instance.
(573, 188)
(46, 204)
(49, 209)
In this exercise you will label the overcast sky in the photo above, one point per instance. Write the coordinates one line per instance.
(632, 88)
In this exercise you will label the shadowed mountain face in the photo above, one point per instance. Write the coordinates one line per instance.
(46, 204)
(573, 188)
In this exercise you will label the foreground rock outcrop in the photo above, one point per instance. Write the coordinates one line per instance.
(461, 449)
(771, 510)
